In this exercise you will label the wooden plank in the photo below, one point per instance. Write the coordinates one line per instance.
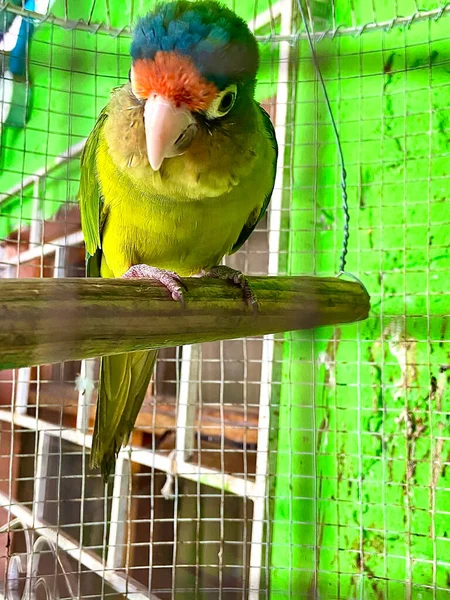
(239, 425)
(44, 321)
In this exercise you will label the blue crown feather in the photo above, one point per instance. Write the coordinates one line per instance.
(219, 42)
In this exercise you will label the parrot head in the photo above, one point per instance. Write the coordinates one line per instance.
(193, 68)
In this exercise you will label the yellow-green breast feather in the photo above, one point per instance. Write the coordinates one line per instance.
(189, 214)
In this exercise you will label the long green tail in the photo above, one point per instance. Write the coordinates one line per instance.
(123, 382)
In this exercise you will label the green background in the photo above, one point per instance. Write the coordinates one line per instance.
(362, 481)
(364, 448)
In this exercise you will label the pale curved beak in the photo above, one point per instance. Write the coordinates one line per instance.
(168, 129)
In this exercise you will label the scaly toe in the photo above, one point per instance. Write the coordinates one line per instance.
(237, 278)
(169, 279)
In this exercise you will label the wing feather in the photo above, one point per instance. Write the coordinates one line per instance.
(89, 195)
(256, 216)
(124, 379)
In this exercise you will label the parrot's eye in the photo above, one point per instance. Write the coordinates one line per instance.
(224, 102)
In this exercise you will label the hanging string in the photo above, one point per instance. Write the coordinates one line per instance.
(346, 228)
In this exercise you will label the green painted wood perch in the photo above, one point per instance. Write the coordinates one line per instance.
(52, 320)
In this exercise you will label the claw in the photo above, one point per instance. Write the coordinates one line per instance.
(239, 279)
(169, 279)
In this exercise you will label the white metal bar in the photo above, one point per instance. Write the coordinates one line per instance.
(59, 267)
(184, 442)
(66, 156)
(186, 409)
(282, 100)
(143, 456)
(40, 477)
(36, 225)
(37, 425)
(211, 477)
(124, 585)
(72, 239)
(85, 386)
(266, 17)
(22, 390)
(262, 464)
(262, 460)
(118, 518)
(187, 402)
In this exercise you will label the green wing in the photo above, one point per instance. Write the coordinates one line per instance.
(90, 200)
(123, 378)
(257, 216)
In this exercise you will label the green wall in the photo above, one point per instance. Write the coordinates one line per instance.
(363, 485)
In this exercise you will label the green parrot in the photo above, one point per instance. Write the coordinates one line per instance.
(177, 172)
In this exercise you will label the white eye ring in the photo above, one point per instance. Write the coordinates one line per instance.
(223, 103)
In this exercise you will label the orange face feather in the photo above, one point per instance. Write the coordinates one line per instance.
(175, 77)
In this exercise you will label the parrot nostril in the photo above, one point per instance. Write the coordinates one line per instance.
(179, 138)
(184, 139)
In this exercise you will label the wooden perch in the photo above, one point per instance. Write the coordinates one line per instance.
(52, 320)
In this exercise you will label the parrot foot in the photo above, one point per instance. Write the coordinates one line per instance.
(169, 279)
(237, 278)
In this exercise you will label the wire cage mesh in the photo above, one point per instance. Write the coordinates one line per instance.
(310, 465)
